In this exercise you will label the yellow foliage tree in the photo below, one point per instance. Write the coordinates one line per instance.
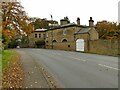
(14, 20)
(106, 29)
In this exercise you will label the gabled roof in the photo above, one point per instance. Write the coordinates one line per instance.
(83, 30)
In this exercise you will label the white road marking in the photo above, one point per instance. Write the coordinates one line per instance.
(78, 59)
(108, 67)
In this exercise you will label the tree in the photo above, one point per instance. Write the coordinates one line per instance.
(113, 34)
(43, 23)
(14, 20)
(106, 28)
(118, 26)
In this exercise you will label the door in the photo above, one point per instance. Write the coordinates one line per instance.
(80, 45)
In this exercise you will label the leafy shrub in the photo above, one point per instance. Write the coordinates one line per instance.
(40, 43)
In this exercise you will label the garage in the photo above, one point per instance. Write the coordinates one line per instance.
(80, 45)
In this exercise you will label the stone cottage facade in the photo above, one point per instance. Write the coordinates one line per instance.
(37, 35)
(69, 36)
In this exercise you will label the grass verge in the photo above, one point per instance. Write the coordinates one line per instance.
(12, 70)
(0, 62)
(7, 56)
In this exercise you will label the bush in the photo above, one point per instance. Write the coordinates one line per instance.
(13, 44)
(40, 43)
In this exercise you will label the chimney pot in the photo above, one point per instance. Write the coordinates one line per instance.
(78, 21)
(91, 22)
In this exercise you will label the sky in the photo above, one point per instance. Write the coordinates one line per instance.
(119, 12)
(84, 9)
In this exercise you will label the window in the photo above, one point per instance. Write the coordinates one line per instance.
(54, 41)
(64, 40)
(39, 35)
(35, 35)
(65, 32)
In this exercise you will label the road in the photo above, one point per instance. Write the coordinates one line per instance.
(78, 70)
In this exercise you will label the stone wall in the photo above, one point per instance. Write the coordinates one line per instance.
(105, 47)
(70, 46)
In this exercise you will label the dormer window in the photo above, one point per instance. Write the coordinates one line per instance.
(65, 32)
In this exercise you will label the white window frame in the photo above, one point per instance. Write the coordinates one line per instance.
(65, 31)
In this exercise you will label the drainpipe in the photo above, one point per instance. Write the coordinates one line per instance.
(75, 42)
(52, 39)
(88, 41)
(45, 40)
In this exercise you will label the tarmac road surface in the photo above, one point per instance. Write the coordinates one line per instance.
(78, 70)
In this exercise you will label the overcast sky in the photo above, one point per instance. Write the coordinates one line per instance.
(98, 9)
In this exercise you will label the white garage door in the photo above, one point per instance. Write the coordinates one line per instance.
(80, 45)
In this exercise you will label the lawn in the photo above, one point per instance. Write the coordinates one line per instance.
(7, 56)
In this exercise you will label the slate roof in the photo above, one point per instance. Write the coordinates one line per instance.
(68, 25)
(83, 30)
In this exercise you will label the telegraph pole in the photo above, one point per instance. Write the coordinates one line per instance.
(52, 31)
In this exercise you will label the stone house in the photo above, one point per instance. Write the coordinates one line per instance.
(71, 36)
(37, 35)
(74, 37)
(66, 36)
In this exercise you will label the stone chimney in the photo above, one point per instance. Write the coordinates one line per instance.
(64, 21)
(91, 22)
(78, 21)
